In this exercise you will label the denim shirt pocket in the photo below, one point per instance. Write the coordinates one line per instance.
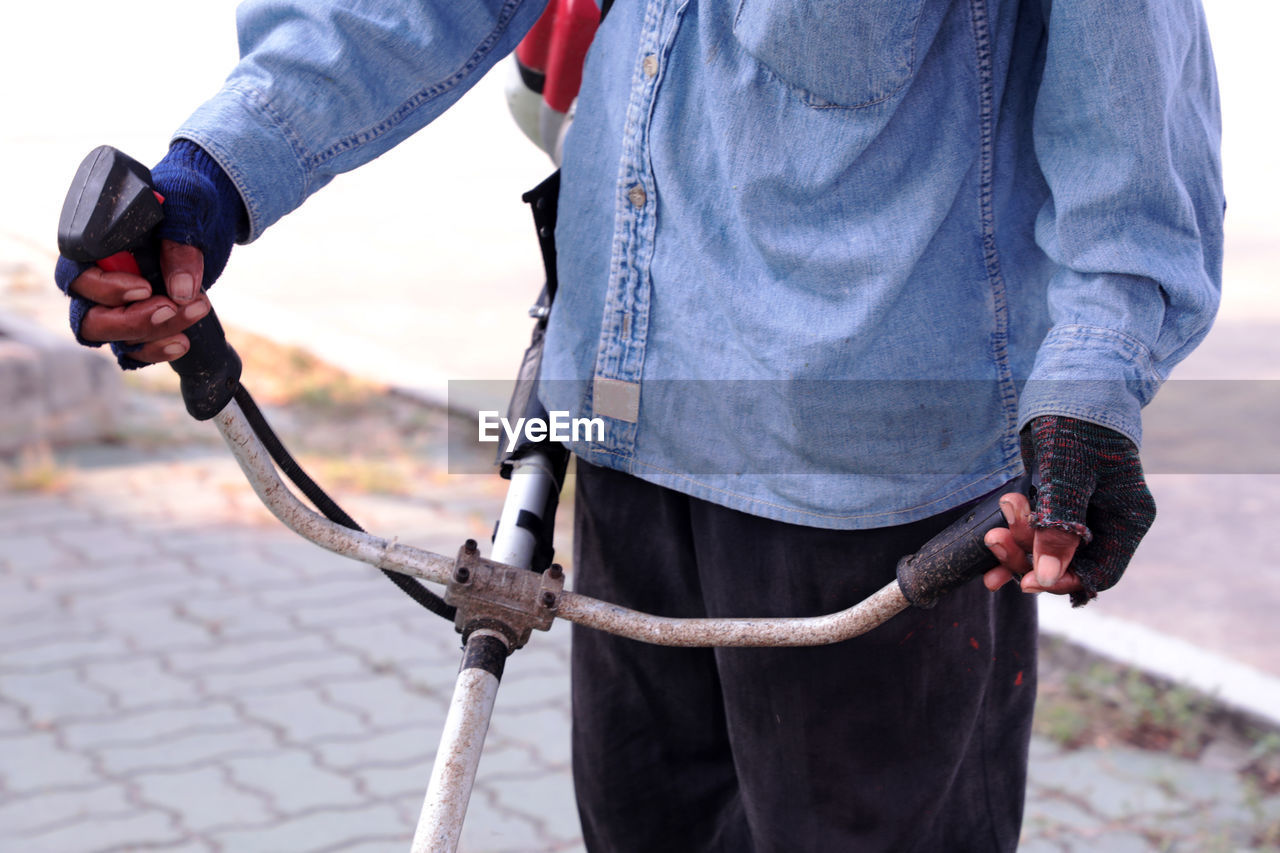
(842, 55)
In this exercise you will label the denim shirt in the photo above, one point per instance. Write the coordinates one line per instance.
(818, 262)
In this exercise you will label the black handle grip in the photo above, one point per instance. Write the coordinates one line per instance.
(957, 554)
(111, 208)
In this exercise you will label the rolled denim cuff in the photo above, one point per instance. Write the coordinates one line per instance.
(1092, 374)
(264, 168)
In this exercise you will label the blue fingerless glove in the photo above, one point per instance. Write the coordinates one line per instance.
(202, 208)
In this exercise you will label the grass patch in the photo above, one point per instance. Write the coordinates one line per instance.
(36, 470)
(1097, 703)
(1084, 701)
(283, 375)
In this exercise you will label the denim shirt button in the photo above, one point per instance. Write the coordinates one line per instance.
(637, 195)
(650, 65)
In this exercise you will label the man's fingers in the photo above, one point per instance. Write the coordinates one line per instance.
(1051, 555)
(112, 289)
(183, 270)
(1051, 549)
(165, 349)
(996, 578)
(1017, 514)
(1013, 559)
(141, 322)
(1065, 585)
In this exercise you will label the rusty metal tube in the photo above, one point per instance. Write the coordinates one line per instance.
(255, 462)
(384, 554)
(461, 741)
(664, 631)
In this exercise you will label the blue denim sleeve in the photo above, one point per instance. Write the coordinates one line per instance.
(1127, 133)
(322, 88)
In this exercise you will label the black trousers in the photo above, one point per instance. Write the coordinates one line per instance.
(912, 737)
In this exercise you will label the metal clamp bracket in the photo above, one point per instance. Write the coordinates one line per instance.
(503, 598)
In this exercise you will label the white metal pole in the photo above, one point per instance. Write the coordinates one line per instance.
(454, 772)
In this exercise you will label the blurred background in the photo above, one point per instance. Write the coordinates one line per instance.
(418, 269)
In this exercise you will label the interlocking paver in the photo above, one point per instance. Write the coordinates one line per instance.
(1109, 794)
(11, 719)
(537, 688)
(389, 843)
(39, 515)
(47, 808)
(232, 655)
(141, 682)
(340, 613)
(308, 561)
(304, 714)
(49, 696)
(187, 748)
(381, 702)
(34, 761)
(205, 799)
(139, 829)
(107, 543)
(324, 830)
(386, 748)
(391, 641)
(281, 673)
(169, 583)
(21, 604)
(492, 827)
(293, 781)
(145, 728)
(153, 628)
(506, 754)
(233, 616)
(289, 594)
(546, 800)
(547, 731)
(59, 651)
(396, 781)
(30, 554)
(46, 626)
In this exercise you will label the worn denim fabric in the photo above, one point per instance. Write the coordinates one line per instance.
(1005, 208)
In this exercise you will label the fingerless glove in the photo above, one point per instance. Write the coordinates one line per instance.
(1091, 484)
(202, 208)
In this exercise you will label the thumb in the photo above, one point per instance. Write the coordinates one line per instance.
(183, 270)
(1052, 552)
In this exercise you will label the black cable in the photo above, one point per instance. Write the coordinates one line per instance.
(326, 504)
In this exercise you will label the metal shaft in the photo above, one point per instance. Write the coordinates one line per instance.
(454, 772)
(531, 483)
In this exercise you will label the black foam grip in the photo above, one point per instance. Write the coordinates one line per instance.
(209, 373)
(957, 554)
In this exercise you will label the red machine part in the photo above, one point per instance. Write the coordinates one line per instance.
(555, 49)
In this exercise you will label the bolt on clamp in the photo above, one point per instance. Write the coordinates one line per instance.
(504, 598)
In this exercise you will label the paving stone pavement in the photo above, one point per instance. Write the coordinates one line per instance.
(179, 673)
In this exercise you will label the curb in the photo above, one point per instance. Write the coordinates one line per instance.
(52, 390)
(1231, 685)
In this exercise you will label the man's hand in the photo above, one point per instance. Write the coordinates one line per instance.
(1092, 509)
(203, 216)
(119, 307)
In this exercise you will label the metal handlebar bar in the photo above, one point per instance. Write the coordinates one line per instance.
(498, 604)
(590, 612)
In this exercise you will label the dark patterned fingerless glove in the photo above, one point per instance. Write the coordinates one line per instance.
(1091, 484)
